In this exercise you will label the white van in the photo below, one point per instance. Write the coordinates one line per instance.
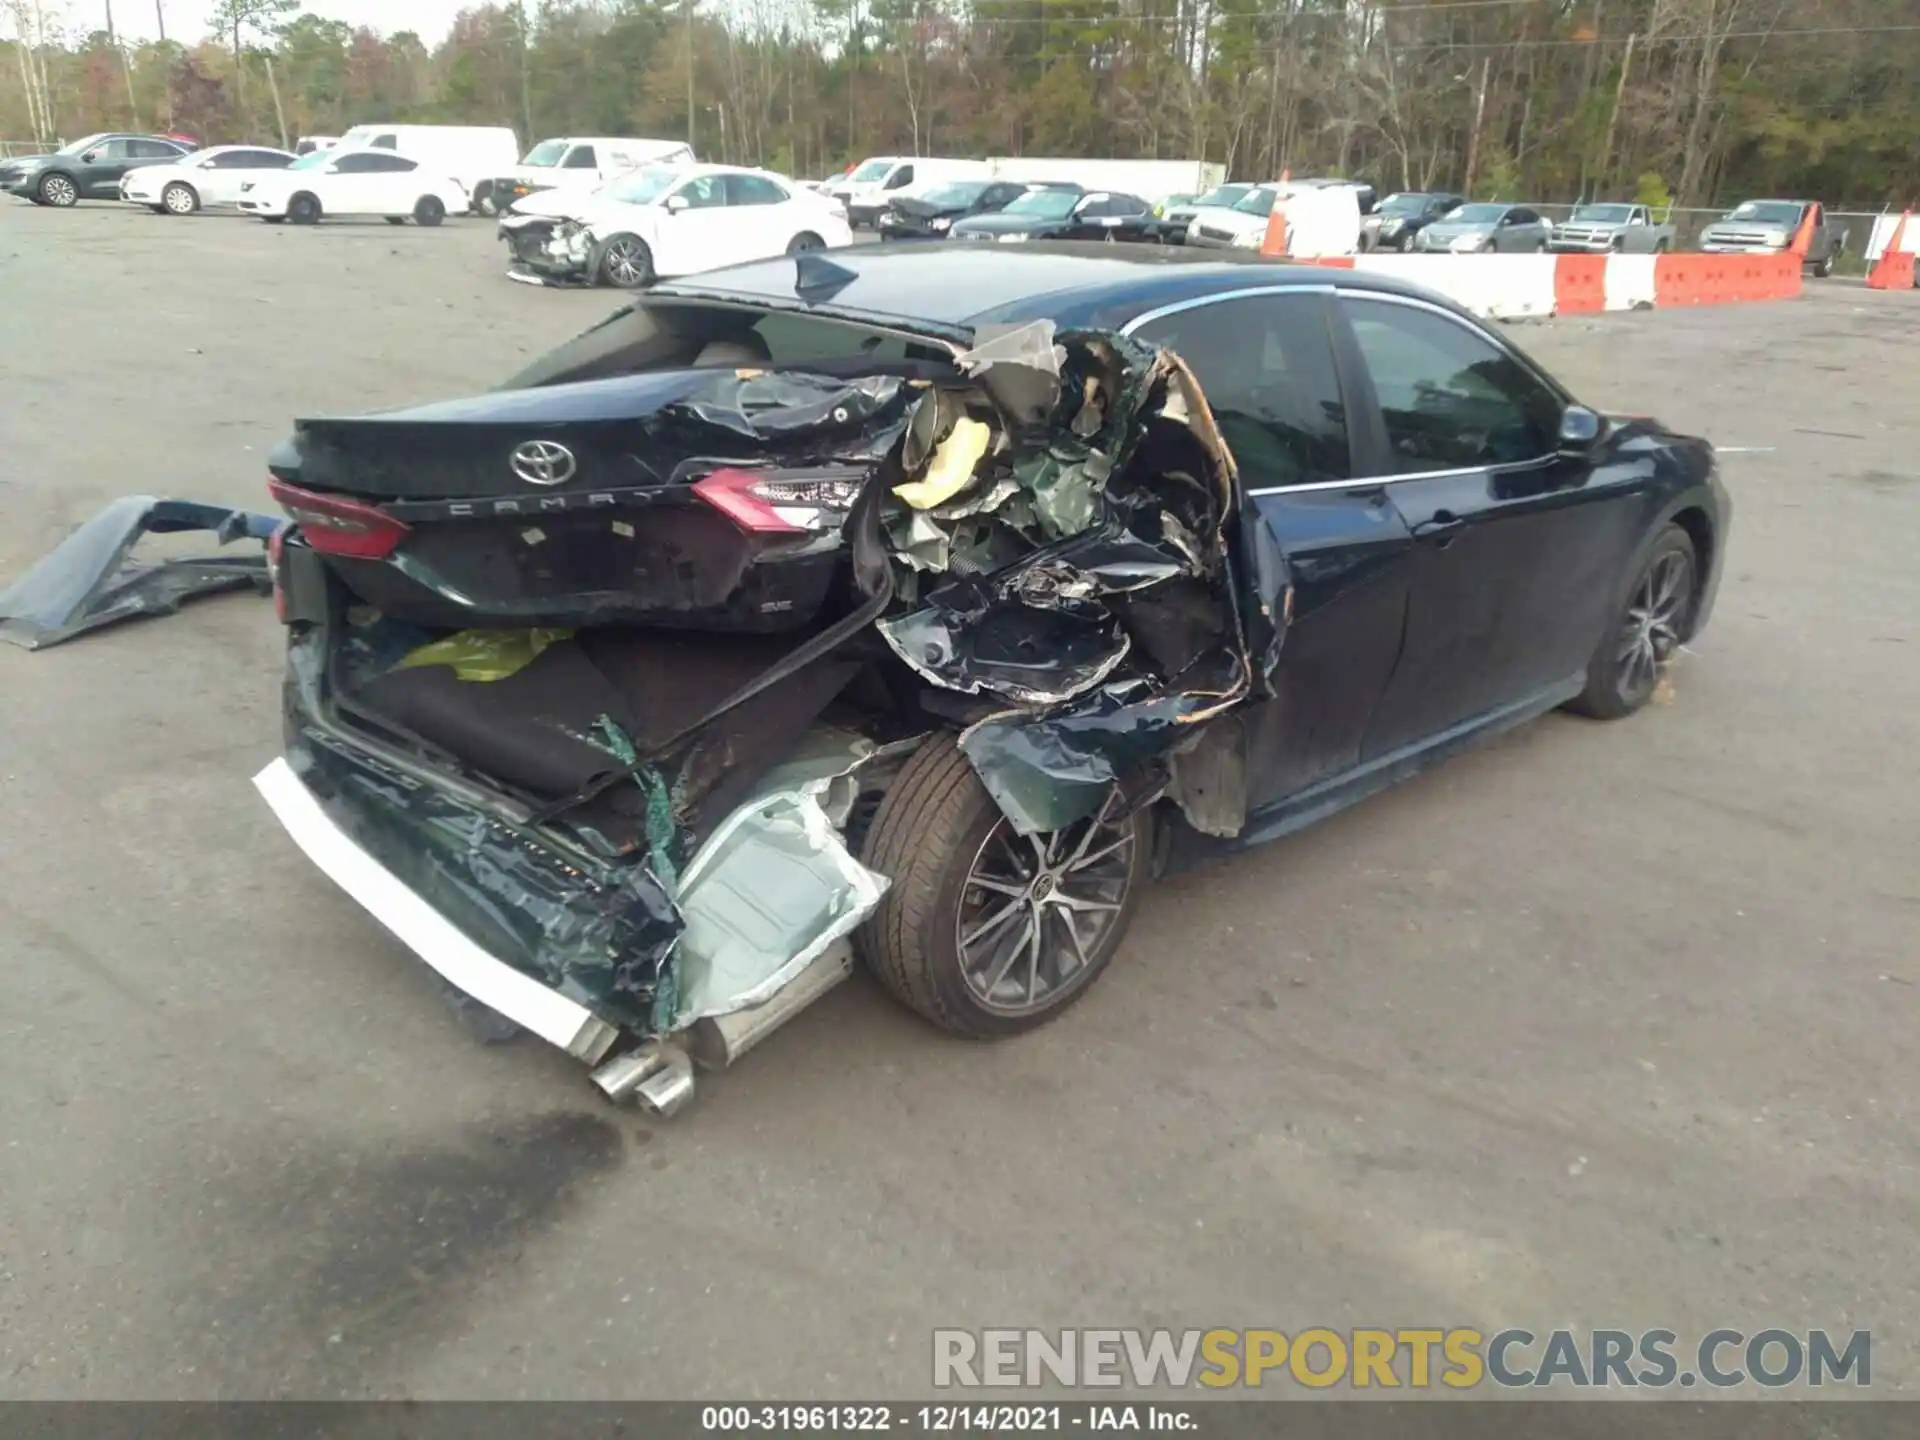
(575, 162)
(469, 153)
(866, 188)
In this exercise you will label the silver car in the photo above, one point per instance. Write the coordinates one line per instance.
(1485, 226)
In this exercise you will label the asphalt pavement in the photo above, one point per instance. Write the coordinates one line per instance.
(1599, 1025)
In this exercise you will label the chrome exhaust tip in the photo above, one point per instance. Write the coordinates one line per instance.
(660, 1075)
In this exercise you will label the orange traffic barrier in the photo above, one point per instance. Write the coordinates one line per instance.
(1579, 284)
(1895, 269)
(1721, 279)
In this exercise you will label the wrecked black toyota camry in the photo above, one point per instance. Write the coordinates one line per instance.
(923, 604)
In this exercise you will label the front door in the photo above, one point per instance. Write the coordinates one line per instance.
(1516, 549)
(701, 235)
(1324, 552)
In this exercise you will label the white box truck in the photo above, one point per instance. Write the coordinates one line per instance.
(1151, 180)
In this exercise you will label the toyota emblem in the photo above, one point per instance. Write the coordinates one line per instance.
(543, 462)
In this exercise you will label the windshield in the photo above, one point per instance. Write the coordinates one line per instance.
(1606, 214)
(546, 153)
(1256, 202)
(1224, 195)
(1046, 204)
(871, 170)
(960, 192)
(1475, 214)
(1408, 203)
(643, 187)
(86, 143)
(1768, 212)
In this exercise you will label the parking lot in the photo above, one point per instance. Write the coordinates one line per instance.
(1599, 1025)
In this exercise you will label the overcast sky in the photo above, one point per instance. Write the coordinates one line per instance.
(187, 19)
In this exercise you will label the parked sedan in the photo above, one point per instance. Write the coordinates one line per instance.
(1059, 212)
(1485, 226)
(1176, 217)
(933, 214)
(353, 182)
(1399, 219)
(817, 607)
(666, 220)
(88, 169)
(206, 177)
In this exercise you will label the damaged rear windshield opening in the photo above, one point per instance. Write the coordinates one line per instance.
(656, 335)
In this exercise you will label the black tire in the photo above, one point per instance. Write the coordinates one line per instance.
(429, 211)
(59, 190)
(274, 219)
(624, 262)
(806, 240)
(394, 219)
(304, 208)
(1824, 268)
(179, 198)
(483, 199)
(1662, 246)
(158, 209)
(1623, 673)
(1403, 244)
(932, 828)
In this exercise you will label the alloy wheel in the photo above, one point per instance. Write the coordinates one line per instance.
(624, 265)
(58, 190)
(1036, 910)
(1655, 616)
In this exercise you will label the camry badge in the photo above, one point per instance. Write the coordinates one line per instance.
(543, 462)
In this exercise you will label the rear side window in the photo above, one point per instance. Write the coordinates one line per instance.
(153, 150)
(1451, 399)
(1266, 365)
(385, 142)
(581, 157)
(753, 190)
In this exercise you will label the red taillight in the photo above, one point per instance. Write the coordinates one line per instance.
(335, 526)
(276, 550)
(783, 502)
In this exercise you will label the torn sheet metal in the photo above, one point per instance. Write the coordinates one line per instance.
(1119, 631)
(89, 579)
(767, 895)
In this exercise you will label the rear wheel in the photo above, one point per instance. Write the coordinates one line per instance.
(180, 199)
(59, 191)
(983, 931)
(626, 262)
(430, 211)
(304, 209)
(1626, 668)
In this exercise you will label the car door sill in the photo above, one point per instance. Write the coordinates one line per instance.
(1336, 792)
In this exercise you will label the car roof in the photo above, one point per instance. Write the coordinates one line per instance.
(955, 288)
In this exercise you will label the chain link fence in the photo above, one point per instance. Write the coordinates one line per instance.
(1856, 226)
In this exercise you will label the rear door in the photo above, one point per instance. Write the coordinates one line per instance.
(1324, 550)
(763, 216)
(1516, 548)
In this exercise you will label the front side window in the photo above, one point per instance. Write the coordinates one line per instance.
(901, 177)
(1266, 366)
(385, 142)
(1451, 399)
(704, 192)
(581, 157)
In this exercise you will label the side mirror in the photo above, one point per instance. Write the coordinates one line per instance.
(676, 203)
(89, 157)
(1580, 430)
